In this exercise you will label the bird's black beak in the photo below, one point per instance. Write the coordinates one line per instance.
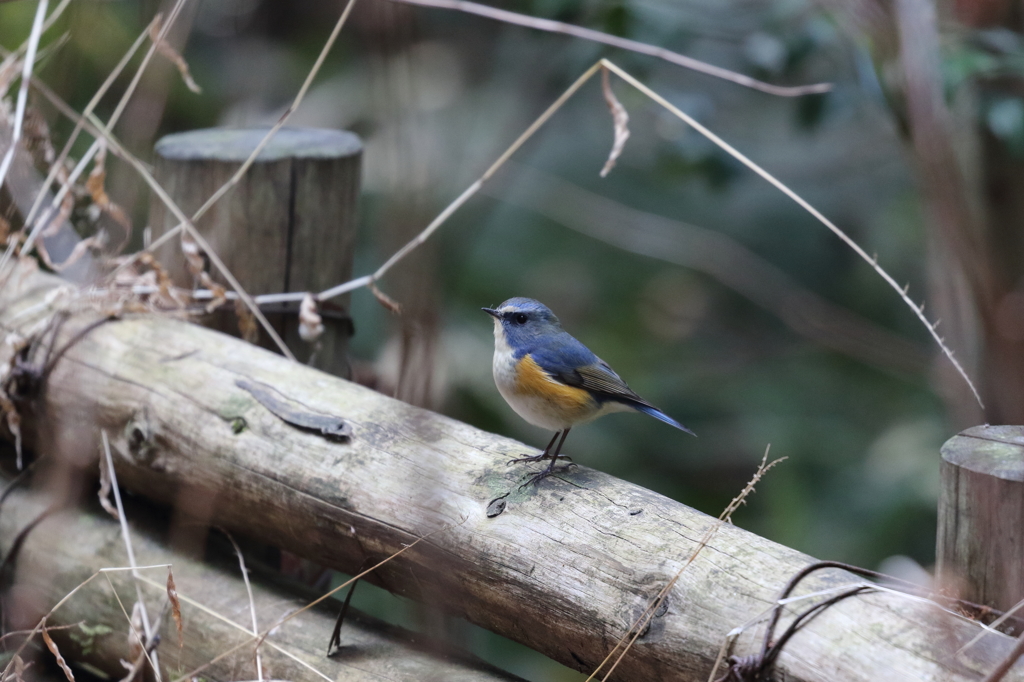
(491, 311)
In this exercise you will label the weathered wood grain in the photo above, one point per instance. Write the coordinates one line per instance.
(564, 568)
(65, 549)
(981, 514)
(289, 224)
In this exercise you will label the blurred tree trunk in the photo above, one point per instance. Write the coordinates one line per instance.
(405, 154)
(972, 190)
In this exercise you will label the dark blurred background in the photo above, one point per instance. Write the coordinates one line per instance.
(711, 293)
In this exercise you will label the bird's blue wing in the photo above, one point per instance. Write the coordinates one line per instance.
(569, 361)
(560, 354)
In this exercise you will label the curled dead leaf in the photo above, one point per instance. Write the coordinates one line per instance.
(246, 321)
(104, 491)
(95, 243)
(311, 325)
(172, 596)
(52, 646)
(385, 300)
(172, 55)
(96, 185)
(194, 260)
(620, 118)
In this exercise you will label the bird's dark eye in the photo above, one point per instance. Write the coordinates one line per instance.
(519, 318)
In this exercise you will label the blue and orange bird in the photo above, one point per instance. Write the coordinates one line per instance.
(552, 380)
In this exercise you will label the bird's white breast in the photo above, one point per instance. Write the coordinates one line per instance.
(535, 408)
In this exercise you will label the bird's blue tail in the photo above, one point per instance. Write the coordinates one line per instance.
(658, 414)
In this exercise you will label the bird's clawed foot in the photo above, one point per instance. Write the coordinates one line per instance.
(535, 458)
(540, 476)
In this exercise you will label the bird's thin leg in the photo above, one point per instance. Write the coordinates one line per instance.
(551, 467)
(541, 456)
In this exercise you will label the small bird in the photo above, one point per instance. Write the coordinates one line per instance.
(552, 380)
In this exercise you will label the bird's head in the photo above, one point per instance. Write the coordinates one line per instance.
(520, 320)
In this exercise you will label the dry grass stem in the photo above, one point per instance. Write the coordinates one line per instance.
(187, 225)
(138, 649)
(992, 627)
(67, 597)
(620, 119)
(126, 535)
(80, 121)
(429, 230)
(637, 628)
(252, 602)
(367, 280)
(26, 76)
(622, 43)
(42, 622)
(284, 619)
(1004, 666)
(226, 187)
(391, 304)
(191, 231)
(800, 201)
(51, 628)
(242, 628)
(104, 491)
(57, 167)
(52, 646)
(172, 55)
(718, 256)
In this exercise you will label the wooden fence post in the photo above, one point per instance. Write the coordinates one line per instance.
(289, 225)
(981, 515)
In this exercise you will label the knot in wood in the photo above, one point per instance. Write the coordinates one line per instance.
(138, 435)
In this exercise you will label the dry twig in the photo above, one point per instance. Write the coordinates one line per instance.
(163, 47)
(622, 43)
(366, 280)
(252, 602)
(1000, 670)
(800, 201)
(57, 167)
(637, 628)
(718, 256)
(26, 75)
(284, 619)
(146, 625)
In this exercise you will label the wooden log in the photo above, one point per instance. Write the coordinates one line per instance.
(980, 545)
(564, 568)
(289, 225)
(66, 549)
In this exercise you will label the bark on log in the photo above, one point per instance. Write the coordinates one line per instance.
(564, 568)
(66, 549)
(981, 515)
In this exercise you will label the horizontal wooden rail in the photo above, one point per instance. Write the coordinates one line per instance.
(564, 568)
(65, 549)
